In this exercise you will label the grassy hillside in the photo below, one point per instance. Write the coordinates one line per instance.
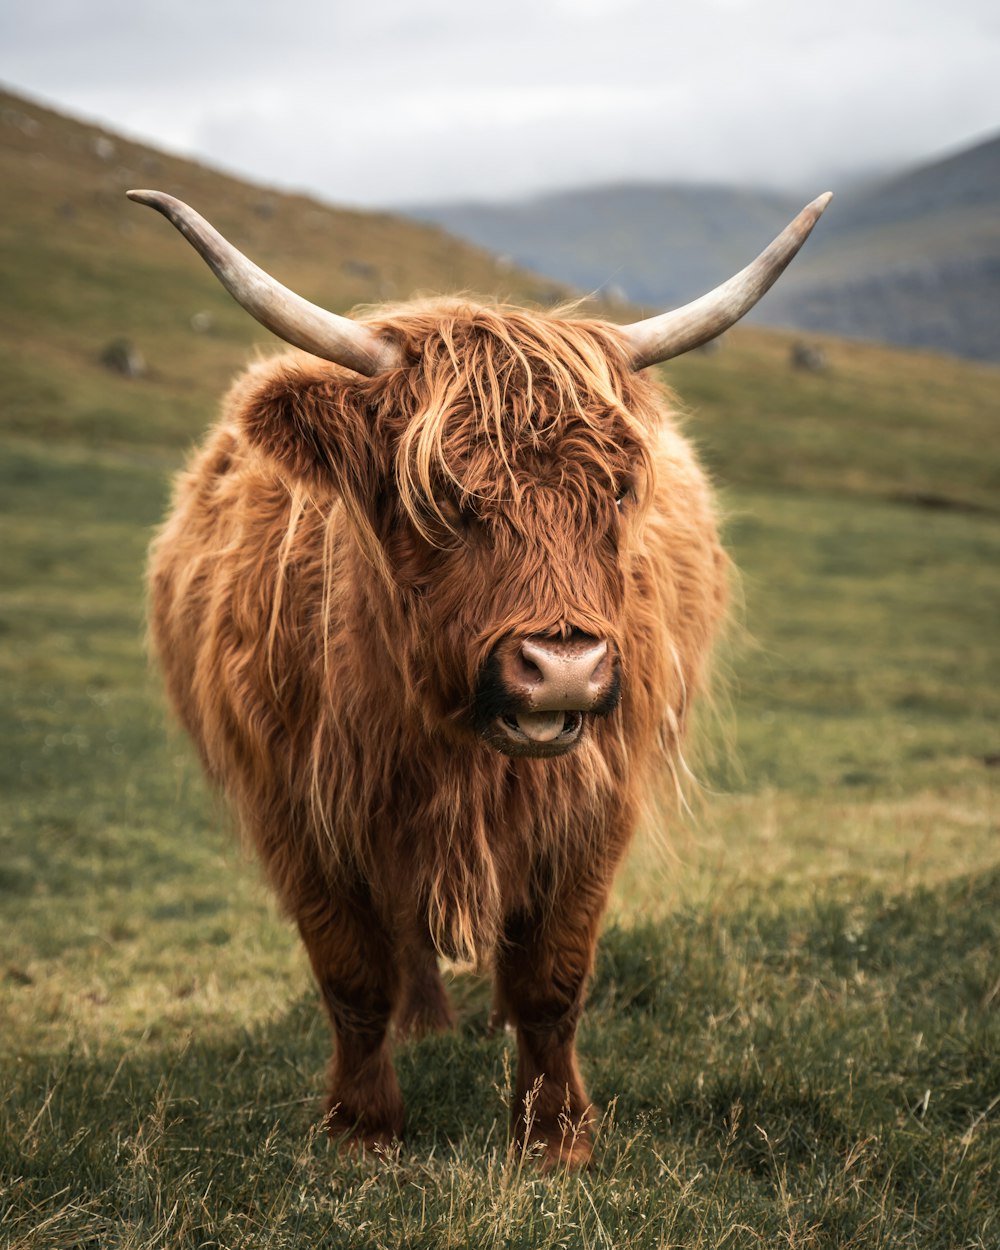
(796, 1017)
(81, 267)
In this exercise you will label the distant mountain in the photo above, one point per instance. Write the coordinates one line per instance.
(913, 259)
(644, 244)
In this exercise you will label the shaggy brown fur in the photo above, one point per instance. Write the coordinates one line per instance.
(343, 558)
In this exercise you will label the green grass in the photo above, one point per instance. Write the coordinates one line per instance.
(795, 1021)
(808, 1075)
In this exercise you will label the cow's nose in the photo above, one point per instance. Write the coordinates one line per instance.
(553, 675)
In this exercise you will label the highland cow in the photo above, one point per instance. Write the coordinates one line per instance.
(434, 601)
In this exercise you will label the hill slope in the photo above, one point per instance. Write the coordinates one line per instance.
(81, 267)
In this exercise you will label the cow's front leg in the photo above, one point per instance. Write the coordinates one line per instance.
(353, 963)
(541, 974)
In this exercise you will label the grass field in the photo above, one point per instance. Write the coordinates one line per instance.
(795, 1020)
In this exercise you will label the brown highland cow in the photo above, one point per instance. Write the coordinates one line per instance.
(433, 601)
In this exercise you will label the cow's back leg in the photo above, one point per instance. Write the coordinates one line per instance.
(352, 959)
(424, 1007)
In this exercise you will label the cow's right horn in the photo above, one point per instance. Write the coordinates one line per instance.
(672, 333)
(289, 316)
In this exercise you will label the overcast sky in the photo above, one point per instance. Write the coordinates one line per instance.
(379, 102)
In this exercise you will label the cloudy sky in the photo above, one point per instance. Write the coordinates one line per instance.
(380, 102)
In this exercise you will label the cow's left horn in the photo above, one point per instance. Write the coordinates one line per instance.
(670, 334)
(288, 315)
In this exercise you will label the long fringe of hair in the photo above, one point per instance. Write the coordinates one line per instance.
(302, 705)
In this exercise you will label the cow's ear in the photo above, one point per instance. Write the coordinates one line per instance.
(312, 419)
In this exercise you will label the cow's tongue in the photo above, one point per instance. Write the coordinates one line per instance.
(541, 726)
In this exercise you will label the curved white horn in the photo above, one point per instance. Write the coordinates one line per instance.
(288, 315)
(672, 333)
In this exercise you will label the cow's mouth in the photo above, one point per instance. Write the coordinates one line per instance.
(537, 733)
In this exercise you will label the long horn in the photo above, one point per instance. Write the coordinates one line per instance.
(670, 334)
(288, 315)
